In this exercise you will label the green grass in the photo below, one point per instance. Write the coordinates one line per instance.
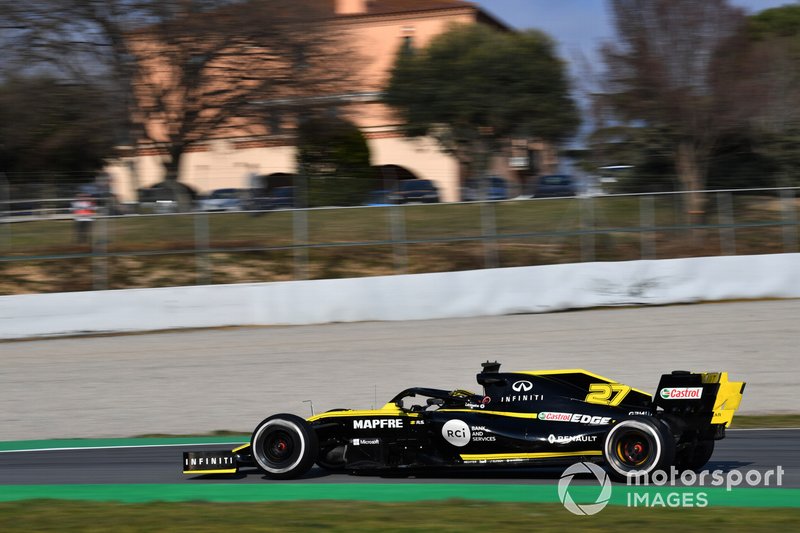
(453, 515)
(450, 234)
(274, 228)
(765, 421)
(216, 433)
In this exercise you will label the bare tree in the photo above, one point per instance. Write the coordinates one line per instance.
(189, 71)
(663, 73)
(773, 59)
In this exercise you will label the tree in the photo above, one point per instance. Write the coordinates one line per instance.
(475, 86)
(50, 130)
(666, 73)
(774, 59)
(334, 157)
(644, 150)
(188, 71)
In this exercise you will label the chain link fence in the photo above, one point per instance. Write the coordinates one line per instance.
(49, 254)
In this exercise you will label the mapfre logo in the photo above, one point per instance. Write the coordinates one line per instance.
(522, 386)
(378, 423)
(681, 393)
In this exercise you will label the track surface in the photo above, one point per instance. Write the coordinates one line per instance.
(742, 450)
(195, 382)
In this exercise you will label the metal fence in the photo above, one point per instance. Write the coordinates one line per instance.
(43, 254)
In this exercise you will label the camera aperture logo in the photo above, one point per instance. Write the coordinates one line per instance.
(566, 497)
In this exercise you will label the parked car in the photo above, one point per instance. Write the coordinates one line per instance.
(415, 190)
(166, 197)
(556, 185)
(222, 200)
(491, 188)
(378, 198)
(282, 197)
(157, 199)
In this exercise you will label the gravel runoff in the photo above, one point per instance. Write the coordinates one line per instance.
(205, 380)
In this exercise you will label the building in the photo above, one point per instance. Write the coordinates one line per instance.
(377, 31)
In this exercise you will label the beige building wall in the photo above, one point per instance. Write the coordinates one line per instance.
(423, 158)
(376, 41)
(217, 168)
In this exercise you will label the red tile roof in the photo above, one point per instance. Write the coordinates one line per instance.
(392, 7)
(382, 7)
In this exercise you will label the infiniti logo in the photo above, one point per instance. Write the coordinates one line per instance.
(522, 386)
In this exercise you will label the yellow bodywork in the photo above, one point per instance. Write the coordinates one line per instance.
(524, 456)
(390, 409)
(205, 472)
(729, 396)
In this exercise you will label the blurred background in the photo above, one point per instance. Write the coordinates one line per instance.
(159, 143)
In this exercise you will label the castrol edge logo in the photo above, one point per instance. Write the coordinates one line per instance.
(681, 393)
(577, 418)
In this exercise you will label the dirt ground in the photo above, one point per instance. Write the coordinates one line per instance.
(205, 380)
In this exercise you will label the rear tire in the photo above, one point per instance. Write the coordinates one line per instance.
(696, 458)
(638, 445)
(284, 446)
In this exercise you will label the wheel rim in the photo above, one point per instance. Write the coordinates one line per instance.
(279, 446)
(634, 448)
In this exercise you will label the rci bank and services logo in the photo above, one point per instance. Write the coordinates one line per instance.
(587, 508)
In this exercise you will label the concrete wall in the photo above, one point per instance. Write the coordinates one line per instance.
(411, 297)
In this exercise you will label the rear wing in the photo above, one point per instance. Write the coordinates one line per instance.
(688, 393)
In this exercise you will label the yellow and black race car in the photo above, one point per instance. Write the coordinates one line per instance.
(521, 419)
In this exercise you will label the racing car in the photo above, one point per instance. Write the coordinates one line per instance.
(524, 419)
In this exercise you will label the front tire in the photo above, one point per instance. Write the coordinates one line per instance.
(638, 446)
(284, 446)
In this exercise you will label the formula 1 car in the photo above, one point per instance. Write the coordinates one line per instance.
(528, 418)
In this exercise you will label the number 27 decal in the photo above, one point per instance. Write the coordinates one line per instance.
(607, 393)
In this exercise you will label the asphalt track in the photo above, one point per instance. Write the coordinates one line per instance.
(198, 381)
(742, 450)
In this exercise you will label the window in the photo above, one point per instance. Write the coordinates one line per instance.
(275, 122)
(407, 48)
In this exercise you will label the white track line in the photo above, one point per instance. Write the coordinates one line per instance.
(119, 447)
(763, 429)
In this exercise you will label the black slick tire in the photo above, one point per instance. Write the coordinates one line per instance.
(284, 446)
(696, 457)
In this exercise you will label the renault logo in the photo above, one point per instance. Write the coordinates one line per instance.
(522, 386)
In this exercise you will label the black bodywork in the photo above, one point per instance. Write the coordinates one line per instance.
(522, 418)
